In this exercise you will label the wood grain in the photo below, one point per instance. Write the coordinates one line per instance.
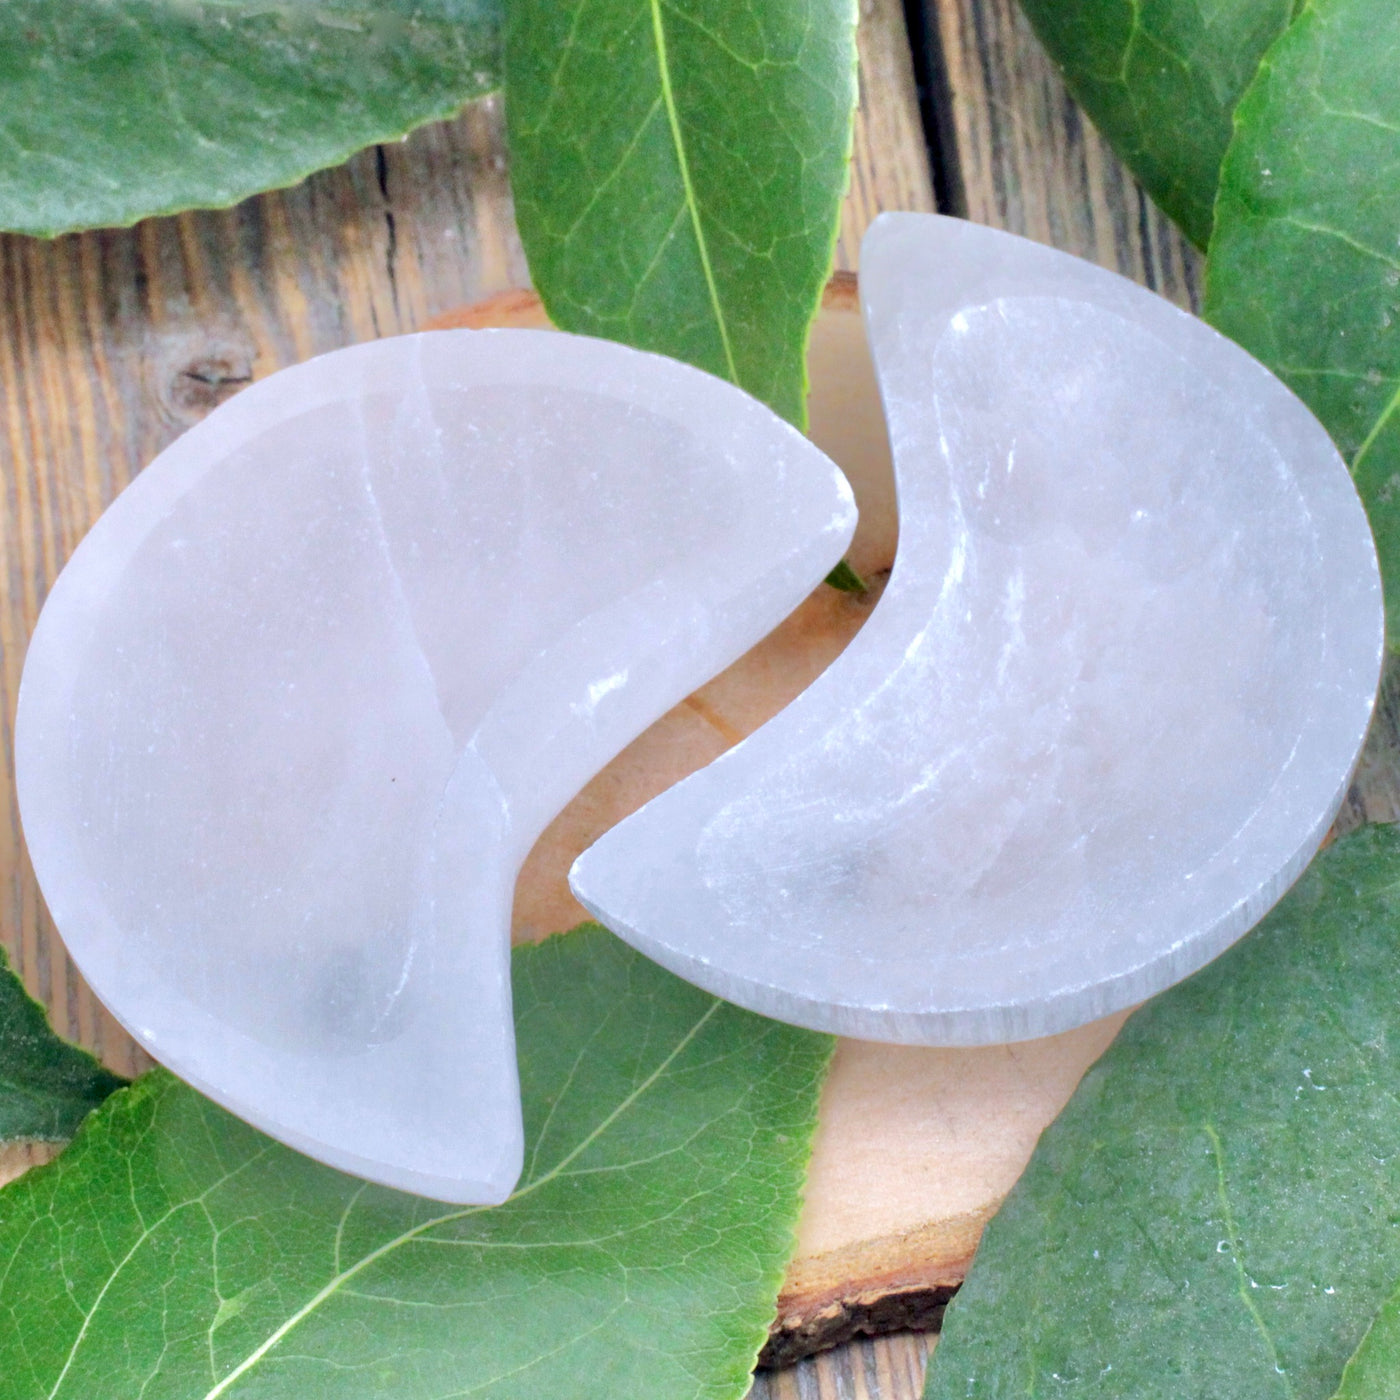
(882, 1368)
(889, 156)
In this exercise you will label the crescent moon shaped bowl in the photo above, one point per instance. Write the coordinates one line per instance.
(1101, 718)
(300, 703)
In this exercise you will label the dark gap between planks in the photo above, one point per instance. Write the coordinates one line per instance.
(935, 107)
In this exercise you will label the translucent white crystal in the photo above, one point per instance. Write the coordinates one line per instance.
(304, 697)
(1104, 712)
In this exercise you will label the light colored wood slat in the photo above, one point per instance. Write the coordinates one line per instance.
(889, 158)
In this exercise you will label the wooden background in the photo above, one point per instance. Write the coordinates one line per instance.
(113, 343)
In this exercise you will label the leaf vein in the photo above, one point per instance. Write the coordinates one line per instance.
(692, 202)
(1232, 1233)
(333, 1286)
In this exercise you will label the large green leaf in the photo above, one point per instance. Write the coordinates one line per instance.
(1161, 78)
(1216, 1213)
(176, 1254)
(1373, 1373)
(47, 1087)
(111, 110)
(678, 168)
(1304, 266)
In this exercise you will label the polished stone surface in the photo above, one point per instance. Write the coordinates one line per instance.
(1103, 714)
(302, 700)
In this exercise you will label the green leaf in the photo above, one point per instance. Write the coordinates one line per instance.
(111, 110)
(1217, 1211)
(1304, 266)
(47, 1087)
(1373, 1373)
(1160, 78)
(175, 1253)
(678, 168)
(844, 579)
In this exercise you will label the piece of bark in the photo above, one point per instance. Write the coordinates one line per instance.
(875, 1314)
(915, 1147)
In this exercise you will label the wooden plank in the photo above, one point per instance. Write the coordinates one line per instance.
(889, 157)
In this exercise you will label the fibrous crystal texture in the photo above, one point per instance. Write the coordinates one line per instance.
(1103, 714)
(302, 700)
